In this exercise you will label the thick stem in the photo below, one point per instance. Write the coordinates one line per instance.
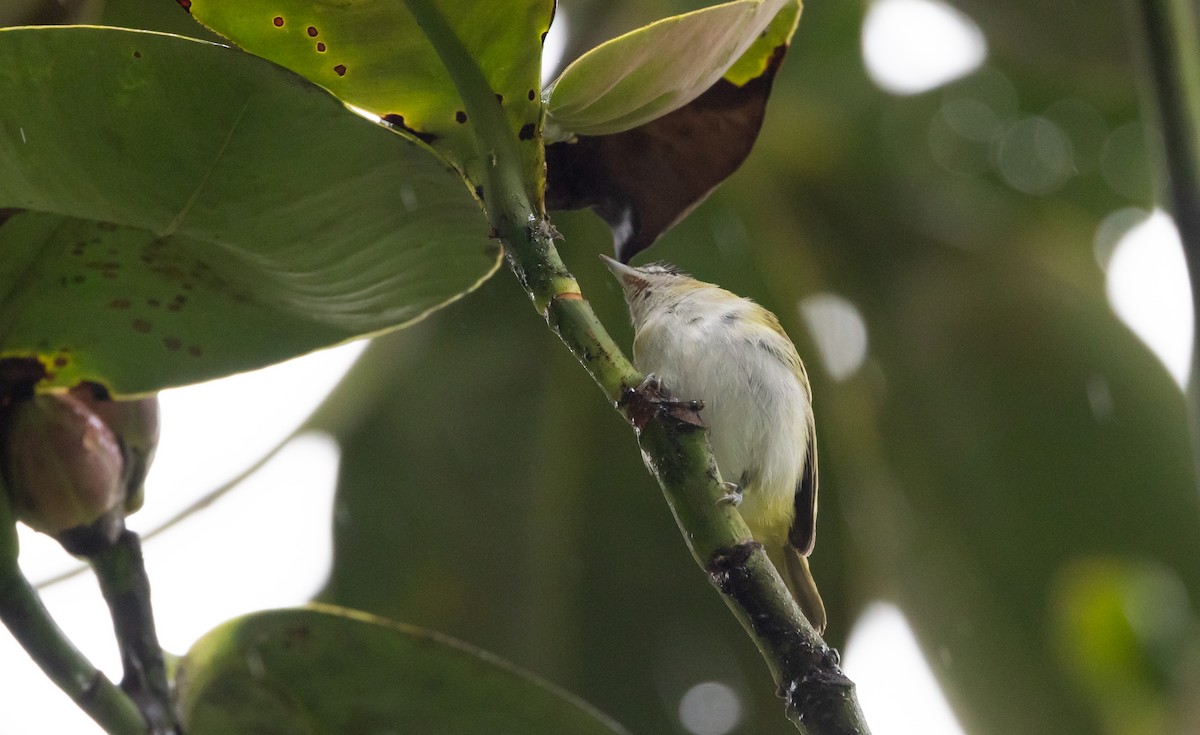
(1168, 35)
(30, 623)
(126, 588)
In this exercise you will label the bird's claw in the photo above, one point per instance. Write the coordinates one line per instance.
(733, 494)
(653, 387)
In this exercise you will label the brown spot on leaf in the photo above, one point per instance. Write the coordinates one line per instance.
(340, 70)
(500, 98)
(194, 351)
(532, 95)
(527, 131)
(321, 47)
(137, 54)
(311, 31)
(479, 193)
(398, 121)
(119, 304)
(141, 325)
(172, 343)
(278, 21)
(460, 117)
(60, 362)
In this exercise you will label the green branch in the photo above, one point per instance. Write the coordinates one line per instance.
(820, 699)
(122, 574)
(1168, 34)
(30, 623)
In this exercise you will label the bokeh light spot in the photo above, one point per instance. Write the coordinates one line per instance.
(839, 332)
(1148, 289)
(1034, 156)
(911, 46)
(896, 688)
(710, 708)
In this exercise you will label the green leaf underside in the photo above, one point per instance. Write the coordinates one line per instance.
(649, 72)
(372, 54)
(194, 211)
(329, 670)
(644, 180)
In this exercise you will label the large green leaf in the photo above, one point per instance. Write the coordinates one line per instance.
(654, 70)
(330, 670)
(375, 55)
(192, 211)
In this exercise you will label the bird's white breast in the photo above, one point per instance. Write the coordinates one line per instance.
(754, 403)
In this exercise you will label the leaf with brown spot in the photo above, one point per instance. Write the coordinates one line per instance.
(643, 181)
(652, 164)
(377, 57)
(289, 223)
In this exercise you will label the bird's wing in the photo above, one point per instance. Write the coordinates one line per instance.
(803, 534)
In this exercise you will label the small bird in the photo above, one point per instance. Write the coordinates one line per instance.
(703, 342)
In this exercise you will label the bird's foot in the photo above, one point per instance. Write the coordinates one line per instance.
(652, 399)
(656, 392)
(733, 494)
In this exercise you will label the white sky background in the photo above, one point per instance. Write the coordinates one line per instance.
(214, 431)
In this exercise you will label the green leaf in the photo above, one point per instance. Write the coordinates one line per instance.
(331, 670)
(649, 72)
(374, 55)
(192, 211)
(644, 180)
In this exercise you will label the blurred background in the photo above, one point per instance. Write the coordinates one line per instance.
(952, 209)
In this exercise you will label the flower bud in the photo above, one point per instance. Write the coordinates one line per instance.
(134, 422)
(62, 463)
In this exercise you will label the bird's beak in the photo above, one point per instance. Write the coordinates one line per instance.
(627, 276)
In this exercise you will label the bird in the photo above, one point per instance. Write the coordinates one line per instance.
(704, 343)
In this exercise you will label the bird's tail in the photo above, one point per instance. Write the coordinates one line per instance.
(795, 572)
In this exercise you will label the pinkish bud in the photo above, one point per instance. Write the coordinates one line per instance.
(134, 422)
(61, 462)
